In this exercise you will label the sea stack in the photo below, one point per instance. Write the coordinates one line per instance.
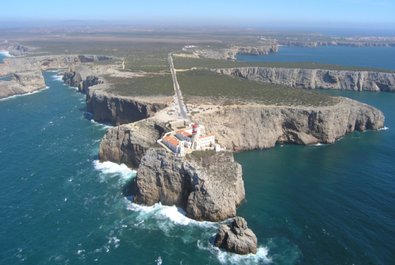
(236, 237)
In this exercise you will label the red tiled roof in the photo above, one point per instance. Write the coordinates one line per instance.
(171, 140)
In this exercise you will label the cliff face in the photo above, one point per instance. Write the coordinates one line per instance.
(250, 127)
(117, 110)
(208, 187)
(75, 79)
(317, 78)
(26, 72)
(231, 52)
(128, 143)
(22, 83)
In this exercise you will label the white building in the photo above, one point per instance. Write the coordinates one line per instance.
(189, 139)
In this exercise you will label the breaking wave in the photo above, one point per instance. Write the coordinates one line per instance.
(173, 214)
(261, 257)
(111, 170)
(385, 128)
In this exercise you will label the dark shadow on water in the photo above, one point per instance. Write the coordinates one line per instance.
(129, 189)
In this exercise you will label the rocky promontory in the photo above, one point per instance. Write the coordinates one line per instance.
(26, 73)
(317, 78)
(21, 83)
(207, 185)
(236, 237)
(254, 126)
(116, 110)
(234, 50)
(128, 143)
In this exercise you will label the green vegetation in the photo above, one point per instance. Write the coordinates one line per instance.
(197, 154)
(152, 85)
(229, 90)
(150, 62)
(188, 63)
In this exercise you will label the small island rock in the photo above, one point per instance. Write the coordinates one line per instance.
(236, 237)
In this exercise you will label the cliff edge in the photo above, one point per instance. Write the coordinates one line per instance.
(317, 78)
(248, 127)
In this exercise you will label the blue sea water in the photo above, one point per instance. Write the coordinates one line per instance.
(375, 57)
(329, 204)
(2, 57)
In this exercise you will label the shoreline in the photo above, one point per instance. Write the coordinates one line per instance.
(25, 94)
(6, 53)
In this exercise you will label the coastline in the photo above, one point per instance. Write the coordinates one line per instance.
(25, 94)
(6, 53)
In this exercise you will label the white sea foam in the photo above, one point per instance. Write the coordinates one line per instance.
(5, 53)
(162, 212)
(57, 77)
(384, 128)
(101, 125)
(261, 257)
(25, 94)
(110, 169)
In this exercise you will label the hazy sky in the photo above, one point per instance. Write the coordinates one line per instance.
(327, 13)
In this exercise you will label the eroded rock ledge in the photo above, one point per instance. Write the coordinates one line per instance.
(317, 78)
(116, 110)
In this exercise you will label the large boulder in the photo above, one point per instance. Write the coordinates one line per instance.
(236, 237)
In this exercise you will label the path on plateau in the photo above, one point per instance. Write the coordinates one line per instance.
(182, 109)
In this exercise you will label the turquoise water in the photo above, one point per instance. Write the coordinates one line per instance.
(58, 205)
(376, 57)
(1, 58)
(330, 204)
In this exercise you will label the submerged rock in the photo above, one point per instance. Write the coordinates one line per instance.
(236, 237)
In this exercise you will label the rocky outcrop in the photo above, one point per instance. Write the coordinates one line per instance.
(73, 79)
(209, 186)
(14, 49)
(89, 81)
(26, 72)
(93, 58)
(248, 127)
(233, 51)
(116, 110)
(21, 83)
(128, 143)
(317, 78)
(236, 237)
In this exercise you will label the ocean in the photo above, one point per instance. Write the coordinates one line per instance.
(372, 57)
(328, 204)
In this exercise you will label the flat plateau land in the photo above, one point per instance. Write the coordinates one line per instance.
(140, 66)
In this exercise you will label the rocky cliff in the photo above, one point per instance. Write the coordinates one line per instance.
(248, 127)
(22, 83)
(75, 79)
(117, 110)
(231, 52)
(128, 143)
(209, 186)
(317, 78)
(26, 72)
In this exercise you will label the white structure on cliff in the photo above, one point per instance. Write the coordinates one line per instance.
(189, 139)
